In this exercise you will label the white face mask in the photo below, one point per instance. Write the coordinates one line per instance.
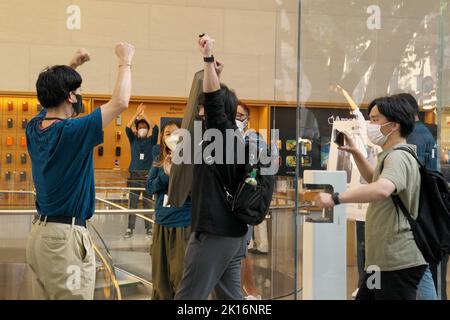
(172, 141)
(241, 125)
(375, 135)
(142, 133)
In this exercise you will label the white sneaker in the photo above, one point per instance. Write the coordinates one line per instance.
(354, 294)
(250, 297)
(128, 234)
(262, 250)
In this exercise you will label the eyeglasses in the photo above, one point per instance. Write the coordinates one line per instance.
(241, 116)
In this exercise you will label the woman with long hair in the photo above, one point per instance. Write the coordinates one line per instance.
(172, 224)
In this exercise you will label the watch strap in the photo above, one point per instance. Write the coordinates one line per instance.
(209, 59)
(336, 198)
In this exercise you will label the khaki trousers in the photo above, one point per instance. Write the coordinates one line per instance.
(168, 250)
(61, 259)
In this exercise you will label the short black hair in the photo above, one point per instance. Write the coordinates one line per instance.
(55, 83)
(410, 99)
(230, 101)
(398, 110)
(137, 122)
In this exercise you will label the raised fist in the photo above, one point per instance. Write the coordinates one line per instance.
(218, 65)
(206, 44)
(81, 56)
(125, 52)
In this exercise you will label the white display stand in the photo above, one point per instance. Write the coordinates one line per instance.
(325, 245)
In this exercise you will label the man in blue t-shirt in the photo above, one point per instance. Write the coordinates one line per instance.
(60, 253)
(426, 145)
(142, 134)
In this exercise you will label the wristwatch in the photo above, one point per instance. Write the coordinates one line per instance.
(209, 59)
(335, 197)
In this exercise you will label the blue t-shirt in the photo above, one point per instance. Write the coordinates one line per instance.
(426, 145)
(141, 150)
(62, 164)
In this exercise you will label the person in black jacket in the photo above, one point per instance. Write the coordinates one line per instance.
(213, 257)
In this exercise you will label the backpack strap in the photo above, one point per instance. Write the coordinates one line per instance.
(398, 203)
(411, 153)
(218, 174)
(222, 179)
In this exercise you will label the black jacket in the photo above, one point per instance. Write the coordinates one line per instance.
(210, 210)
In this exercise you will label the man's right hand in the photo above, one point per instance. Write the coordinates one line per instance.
(350, 145)
(206, 44)
(125, 52)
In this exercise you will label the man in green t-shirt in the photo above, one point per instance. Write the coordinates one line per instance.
(391, 251)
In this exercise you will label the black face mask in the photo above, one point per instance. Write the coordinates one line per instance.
(78, 107)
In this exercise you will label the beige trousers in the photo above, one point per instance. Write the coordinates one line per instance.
(61, 259)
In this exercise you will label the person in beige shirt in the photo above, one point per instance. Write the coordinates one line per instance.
(394, 264)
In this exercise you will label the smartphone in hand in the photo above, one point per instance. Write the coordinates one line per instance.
(339, 138)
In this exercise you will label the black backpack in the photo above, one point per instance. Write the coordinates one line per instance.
(250, 203)
(431, 229)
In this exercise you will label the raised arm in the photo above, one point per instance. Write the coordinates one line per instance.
(149, 121)
(347, 97)
(140, 111)
(211, 81)
(122, 90)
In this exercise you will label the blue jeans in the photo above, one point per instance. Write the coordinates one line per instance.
(426, 289)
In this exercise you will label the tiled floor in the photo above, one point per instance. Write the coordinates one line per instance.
(273, 272)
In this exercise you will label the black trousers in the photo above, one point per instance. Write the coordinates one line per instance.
(138, 180)
(360, 250)
(394, 285)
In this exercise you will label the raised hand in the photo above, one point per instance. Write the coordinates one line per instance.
(125, 52)
(206, 45)
(218, 65)
(350, 145)
(80, 57)
(141, 109)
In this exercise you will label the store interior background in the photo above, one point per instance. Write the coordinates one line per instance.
(370, 53)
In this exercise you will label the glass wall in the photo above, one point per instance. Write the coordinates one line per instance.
(443, 123)
(304, 67)
(332, 59)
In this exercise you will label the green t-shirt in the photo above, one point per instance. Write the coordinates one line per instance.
(390, 243)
